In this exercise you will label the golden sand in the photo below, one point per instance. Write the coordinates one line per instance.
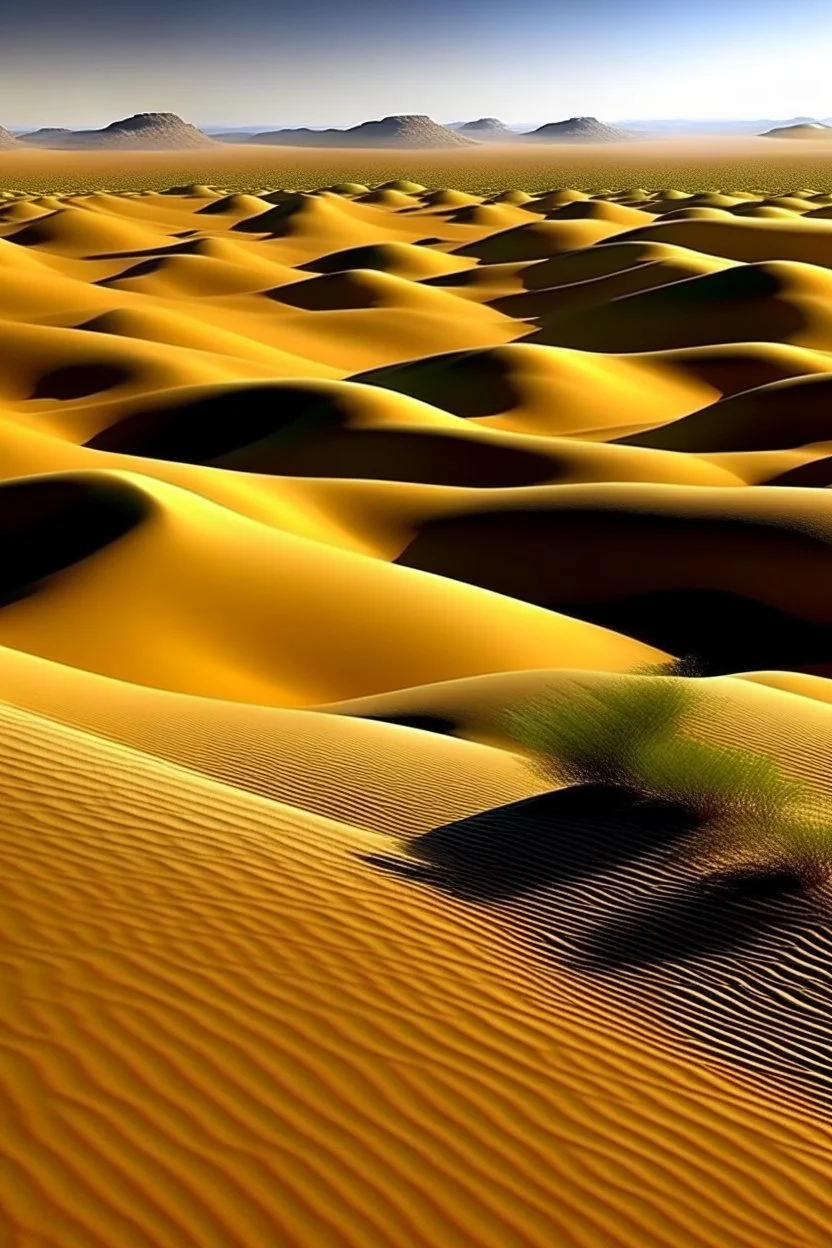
(302, 493)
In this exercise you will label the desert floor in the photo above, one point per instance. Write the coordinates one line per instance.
(692, 164)
(303, 495)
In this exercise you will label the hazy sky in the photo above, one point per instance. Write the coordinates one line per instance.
(338, 62)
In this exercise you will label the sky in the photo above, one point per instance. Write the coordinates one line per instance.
(339, 62)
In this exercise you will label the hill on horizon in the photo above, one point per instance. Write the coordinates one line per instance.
(661, 127)
(487, 129)
(7, 140)
(577, 130)
(142, 131)
(803, 130)
(415, 130)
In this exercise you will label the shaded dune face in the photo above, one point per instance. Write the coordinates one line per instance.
(782, 415)
(49, 524)
(686, 579)
(79, 381)
(303, 495)
(756, 302)
(203, 424)
(303, 430)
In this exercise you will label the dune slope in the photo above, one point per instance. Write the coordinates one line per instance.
(187, 999)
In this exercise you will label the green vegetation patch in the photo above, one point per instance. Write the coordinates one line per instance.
(636, 733)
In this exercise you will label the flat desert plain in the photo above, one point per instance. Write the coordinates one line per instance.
(689, 164)
(303, 495)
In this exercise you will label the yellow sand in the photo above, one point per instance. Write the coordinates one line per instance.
(300, 494)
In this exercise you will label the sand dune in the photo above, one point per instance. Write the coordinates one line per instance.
(213, 912)
(765, 301)
(399, 259)
(644, 560)
(302, 495)
(70, 231)
(747, 240)
(264, 648)
(538, 240)
(526, 389)
(787, 413)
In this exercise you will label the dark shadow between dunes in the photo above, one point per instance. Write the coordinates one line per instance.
(293, 430)
(468, 383)
(786, 414)
(188, 248)
(333, 451)
(543, 556)
(79, 381)
(743, 304)
(48, 524)
(144, 268)
(201, 424)
(728, 633)
(816, 474)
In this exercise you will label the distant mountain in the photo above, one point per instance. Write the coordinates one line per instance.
(7, 140)
(803, 130)
(486, 129)
(402, 130)
(663, 127)
(143, 131)
(45, 137)
(577, 130)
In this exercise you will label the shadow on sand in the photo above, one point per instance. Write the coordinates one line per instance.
(693, 920)
(653, 912)
(555, 838)
(604, 884)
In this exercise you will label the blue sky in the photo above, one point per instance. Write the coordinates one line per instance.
(322, 62)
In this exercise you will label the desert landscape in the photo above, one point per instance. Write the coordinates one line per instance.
(415, 704)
